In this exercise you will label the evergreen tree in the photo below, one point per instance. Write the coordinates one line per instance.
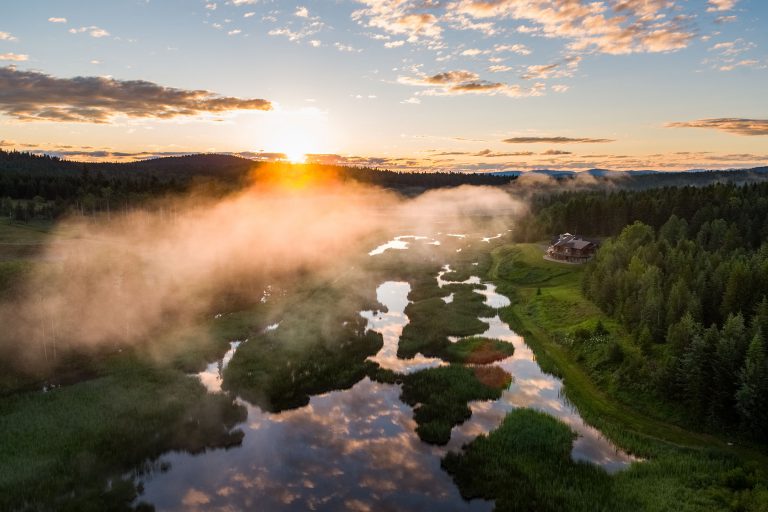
(752, 394)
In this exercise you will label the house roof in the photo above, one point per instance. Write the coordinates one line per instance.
(572, 241)
(580, 244)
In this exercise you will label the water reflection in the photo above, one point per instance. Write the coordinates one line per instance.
(212, 376)
(533, 388)
(357, 449)
(394, 296)
(347, 450)
(400, 243)
(492, 298)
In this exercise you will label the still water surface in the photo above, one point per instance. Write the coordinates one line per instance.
(357, 449)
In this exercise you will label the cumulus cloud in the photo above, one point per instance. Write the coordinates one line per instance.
(633, 26)
(14, 57)
(564, 68)
(57, 20)
(720, 5)
(519, 49)
(736, 126)
(5, 36)
(36, 96)
(555, 140)
(399, 17)
(92, 31)
(467, 82)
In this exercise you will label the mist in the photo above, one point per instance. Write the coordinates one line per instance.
(114, 281)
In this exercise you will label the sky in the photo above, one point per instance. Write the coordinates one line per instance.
(466, 85)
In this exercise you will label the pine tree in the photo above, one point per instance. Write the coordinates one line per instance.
(752, 395)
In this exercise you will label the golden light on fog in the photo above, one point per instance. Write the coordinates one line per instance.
(296, 157)
(294, 134)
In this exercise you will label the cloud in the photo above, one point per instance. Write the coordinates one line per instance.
(519, 49)
(632, 26)
(564, 68)
(36, 96)
(467, 82)
(346, 48)
(5, 36)
(493, 154)
(725, 19)
(399, 17)
(92, 31)
(556, 152)
(301, 12)
(745, 63)
(720, 5)
(555, 140)
(736, 126)
(57, 20)
(14, 57)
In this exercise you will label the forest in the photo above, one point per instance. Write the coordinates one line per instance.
(686, 273)
(47, 187)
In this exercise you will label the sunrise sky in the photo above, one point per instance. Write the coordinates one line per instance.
(423, 84)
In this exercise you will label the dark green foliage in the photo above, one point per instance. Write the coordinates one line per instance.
(526, 464)
(666, 295)
(478, 350)
(269, 373)
(439, 397)
(752, 393)
(432, 321)
(321, 344)
(40, 186)
(59, 450)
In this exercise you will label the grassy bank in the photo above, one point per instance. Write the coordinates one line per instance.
(550, 311)
(683, 469)
(526, 464)
(71, 448)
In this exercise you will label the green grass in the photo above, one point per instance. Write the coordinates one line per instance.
(320, 345)
(559, 325)
(526, 464)
(432, 321)
(478, 350)
(59, 450)
(440, 396)
(543, 330)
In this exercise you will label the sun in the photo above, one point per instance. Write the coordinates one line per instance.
(296, 156)
(298, 145)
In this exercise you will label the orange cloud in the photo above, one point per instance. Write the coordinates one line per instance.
(36, 96)
(732, 125)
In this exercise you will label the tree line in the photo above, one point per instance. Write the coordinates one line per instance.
(687, 276)
(47, 187)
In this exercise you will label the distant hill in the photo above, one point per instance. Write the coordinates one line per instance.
(639, 179)
(212, 165)
(180, 169)
(227, 167)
